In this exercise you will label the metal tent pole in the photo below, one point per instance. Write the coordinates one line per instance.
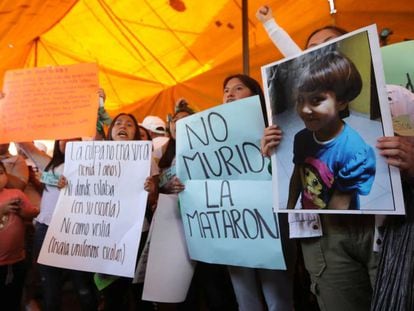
(245, 37)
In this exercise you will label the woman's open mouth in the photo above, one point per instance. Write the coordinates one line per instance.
(122, 134)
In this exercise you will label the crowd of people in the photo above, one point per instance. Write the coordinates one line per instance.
(334, 262)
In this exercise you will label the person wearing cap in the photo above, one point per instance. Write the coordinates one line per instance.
(155, 126)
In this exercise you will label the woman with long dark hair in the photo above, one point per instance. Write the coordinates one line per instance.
(122, 293)
(260, 289)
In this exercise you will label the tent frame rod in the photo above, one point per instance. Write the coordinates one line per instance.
(36, 46)
(245, 37)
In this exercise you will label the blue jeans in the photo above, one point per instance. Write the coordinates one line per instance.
(52, 279)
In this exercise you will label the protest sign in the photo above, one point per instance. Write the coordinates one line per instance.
(399, 72)
(226, 206)
(49, 103)
(169, 269)
(399, 64)
(97, 222)
(347, 161)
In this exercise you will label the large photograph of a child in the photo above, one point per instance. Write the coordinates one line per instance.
(331, 107)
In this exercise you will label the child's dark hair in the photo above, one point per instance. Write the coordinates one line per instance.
(169, 154)
(137, 134)
(254, 87)
(334, 72)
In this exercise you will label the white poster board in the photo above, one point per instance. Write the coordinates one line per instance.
(169, 268)
(97, 223)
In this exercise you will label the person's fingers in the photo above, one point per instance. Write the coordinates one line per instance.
(149, 185)
(62, 182)
(176, 188)
(270, 141)
(398, 152)
(392, 152)
(269, 148)
(393, 142)
(264, 9)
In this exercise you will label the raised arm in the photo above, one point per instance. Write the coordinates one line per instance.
(278, 35)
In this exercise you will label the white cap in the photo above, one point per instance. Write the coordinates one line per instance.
(154, 124)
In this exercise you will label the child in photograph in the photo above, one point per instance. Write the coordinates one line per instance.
(333, 164)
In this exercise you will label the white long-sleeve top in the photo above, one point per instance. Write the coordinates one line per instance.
(281, 39)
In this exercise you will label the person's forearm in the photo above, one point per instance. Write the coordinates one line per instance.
(281, 38)
(340, 200)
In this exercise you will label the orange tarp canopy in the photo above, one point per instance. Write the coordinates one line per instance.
(150, 53)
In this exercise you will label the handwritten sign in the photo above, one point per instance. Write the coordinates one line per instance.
(226, 206)
(49, 103)
(98, 219)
